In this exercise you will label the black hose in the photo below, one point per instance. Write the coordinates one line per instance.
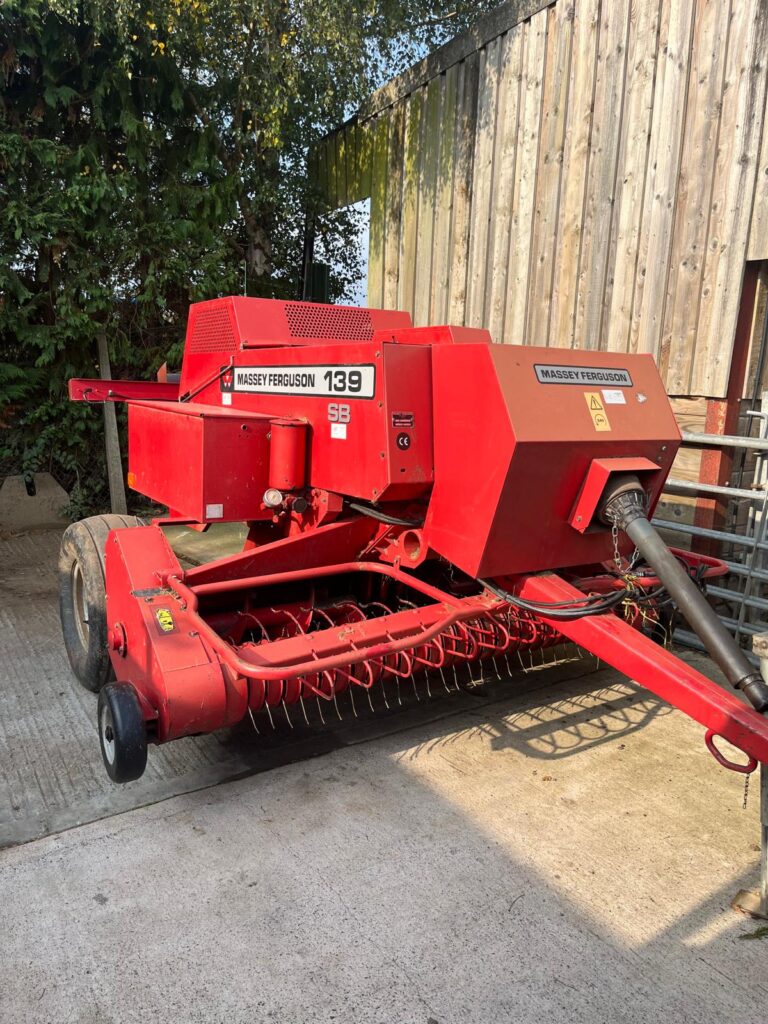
(384, 517)
(626, 507)
(596, 604)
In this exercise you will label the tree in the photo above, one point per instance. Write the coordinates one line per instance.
(153, 154)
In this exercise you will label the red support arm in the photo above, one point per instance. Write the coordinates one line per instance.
(82, 389)
(615, 642)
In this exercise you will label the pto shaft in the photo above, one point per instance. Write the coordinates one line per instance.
(624, 505)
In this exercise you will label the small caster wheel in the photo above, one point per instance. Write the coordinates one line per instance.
(122, 732)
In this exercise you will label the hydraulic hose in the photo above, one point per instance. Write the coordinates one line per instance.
(624, 505)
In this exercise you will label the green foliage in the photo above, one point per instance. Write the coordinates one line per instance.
(149, 153)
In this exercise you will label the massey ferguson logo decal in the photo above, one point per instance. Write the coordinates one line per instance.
(325, 381)
(600, 376)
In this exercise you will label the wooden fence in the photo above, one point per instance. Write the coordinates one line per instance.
(579, 173)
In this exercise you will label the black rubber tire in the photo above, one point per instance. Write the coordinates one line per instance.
(122, 732)
(82, 599)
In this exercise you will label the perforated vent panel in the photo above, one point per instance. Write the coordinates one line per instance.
(328, 322)
(213, 331)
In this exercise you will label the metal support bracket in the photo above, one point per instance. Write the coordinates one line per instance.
(753, 902)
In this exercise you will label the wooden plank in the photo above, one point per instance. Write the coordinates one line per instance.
(642, 55)
(499, 20)
(407, 276)
(732, 193)
(441, 258)
(604, 143)
(575, 167)
(482, 184)
(333, 172)
(430, 148)
(751, 384)
(365, 156)
(758, 233)
(462, 187)
(691, 411)
(393, 204)
(524, 193)
(351, 168)
(694, 186)
(677, 509)
(687, 464)
(661, 180)
(340, 161)
(510, 78)
(549, 176)
(321, 181)
(376, 241)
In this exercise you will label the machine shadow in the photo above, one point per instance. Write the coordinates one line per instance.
(552, 710)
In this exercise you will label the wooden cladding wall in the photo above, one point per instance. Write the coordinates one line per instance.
(585, 178)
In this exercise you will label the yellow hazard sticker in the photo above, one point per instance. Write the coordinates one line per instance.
(597, 410)
(165, 620)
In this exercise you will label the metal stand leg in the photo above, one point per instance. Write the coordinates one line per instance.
(755, 903)
(748, 901)
(764, 841)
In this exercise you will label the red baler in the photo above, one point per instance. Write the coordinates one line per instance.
(416, 498)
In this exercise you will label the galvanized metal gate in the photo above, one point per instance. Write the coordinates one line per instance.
(743, 596)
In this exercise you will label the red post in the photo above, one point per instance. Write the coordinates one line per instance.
(723, 416)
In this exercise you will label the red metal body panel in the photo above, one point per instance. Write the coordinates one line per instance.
(206, 464)
(172, 670)
(511, 453)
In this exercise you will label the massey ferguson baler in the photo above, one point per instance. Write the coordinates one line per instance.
(416, 499)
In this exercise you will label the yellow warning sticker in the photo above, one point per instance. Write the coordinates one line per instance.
(165, 620)
(597, 410)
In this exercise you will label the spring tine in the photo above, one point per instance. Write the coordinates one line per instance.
(397, 683)
(351, 693)
(370, 702)
(455, 676)
(336, 705)
(506, 658)
(415, 688)
(269, 713)
(253, 721)
(520, 659)
(287, 716)
(426, 676)
(320, 709)
(384, 692)
(496, 667)
(445, 685)
(303, 708)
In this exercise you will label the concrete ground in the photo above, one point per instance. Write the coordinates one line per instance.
(562, 854)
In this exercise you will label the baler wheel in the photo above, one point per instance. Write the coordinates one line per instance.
(82, 599)
(122, 732)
